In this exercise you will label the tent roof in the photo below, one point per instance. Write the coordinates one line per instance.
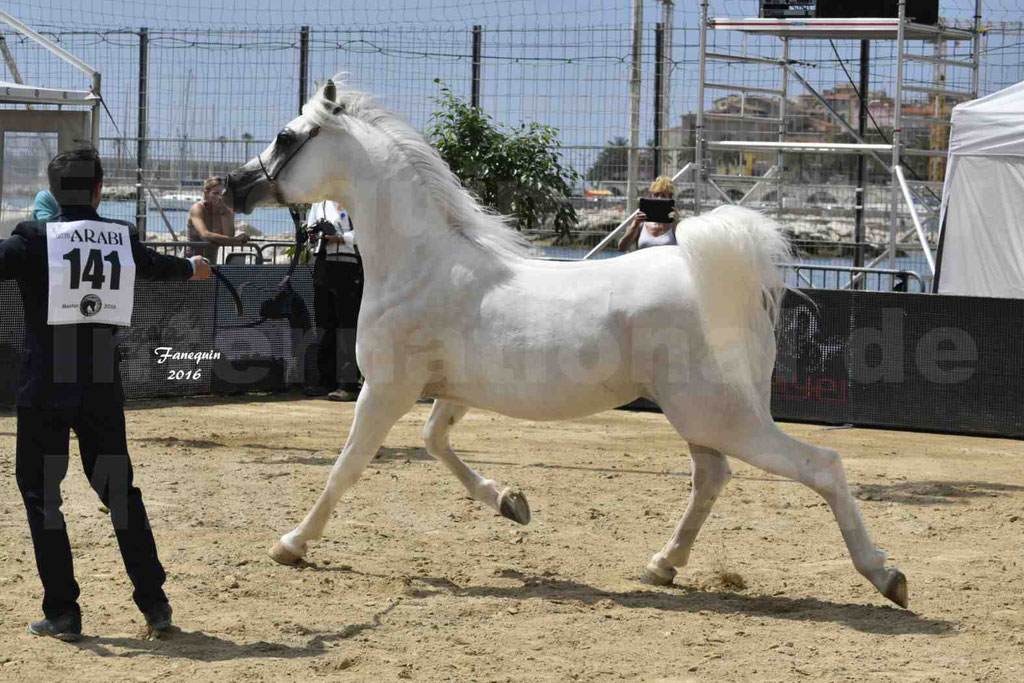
(29, 94)
(991, 125)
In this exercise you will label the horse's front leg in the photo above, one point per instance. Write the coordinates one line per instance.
(376, 412)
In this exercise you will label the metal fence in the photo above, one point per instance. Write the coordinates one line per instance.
(197, 88)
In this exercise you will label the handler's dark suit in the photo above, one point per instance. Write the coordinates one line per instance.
(70, 380)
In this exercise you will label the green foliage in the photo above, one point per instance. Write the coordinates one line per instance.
(612, 162)
(518, 171)
(306, 255)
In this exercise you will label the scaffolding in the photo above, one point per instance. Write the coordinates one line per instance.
(20, 93)
(891, 156)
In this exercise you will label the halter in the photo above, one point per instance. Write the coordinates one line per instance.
(272, 179)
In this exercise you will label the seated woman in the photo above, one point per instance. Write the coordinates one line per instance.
(643, 233)
(210, 220)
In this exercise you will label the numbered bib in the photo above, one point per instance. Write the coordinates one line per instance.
(92, 273)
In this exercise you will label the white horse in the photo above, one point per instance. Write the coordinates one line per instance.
(454, 309)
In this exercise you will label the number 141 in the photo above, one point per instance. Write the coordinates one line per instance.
(94, 268)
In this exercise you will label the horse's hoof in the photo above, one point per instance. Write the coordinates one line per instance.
(897, 588)
(512, 504)
(656, 576)
(279, 553)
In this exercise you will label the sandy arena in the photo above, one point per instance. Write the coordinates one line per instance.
(415, 581)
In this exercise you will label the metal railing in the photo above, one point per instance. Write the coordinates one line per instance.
(258, 253)
(813, 276)
(816, 276)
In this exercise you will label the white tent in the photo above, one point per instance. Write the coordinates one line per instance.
(981, 251)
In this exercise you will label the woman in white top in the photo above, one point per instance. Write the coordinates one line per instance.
(643, 233)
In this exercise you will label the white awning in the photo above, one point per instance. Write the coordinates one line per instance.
(983, 198)
(13, 93)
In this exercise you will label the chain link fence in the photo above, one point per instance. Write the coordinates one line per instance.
(217, 81)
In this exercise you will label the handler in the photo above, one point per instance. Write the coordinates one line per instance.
(77, 280)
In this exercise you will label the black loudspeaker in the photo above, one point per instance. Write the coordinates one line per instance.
(920, 11)
(787, 9)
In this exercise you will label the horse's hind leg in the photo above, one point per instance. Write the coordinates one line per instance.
(509, 503)
(772, 450)
(710, 475)
(375, 415)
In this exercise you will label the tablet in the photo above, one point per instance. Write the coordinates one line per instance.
(657, 210)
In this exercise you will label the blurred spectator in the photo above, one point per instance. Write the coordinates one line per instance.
(45, 206)
(212, 221)
(644, 233)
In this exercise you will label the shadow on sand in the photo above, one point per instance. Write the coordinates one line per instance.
(932, 492)
(385, 454)
(866, 618)
(203, 647)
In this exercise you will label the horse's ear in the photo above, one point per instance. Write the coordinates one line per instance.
(330, 92)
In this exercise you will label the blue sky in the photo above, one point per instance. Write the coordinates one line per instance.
(230, 67)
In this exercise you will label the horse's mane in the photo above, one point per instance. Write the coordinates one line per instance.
(466, 217)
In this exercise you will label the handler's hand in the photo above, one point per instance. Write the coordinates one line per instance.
(640, 217)
(201, 268)
(242, 238)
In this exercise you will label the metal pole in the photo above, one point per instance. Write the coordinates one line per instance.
(140, 142)
(780, 160)
(97, 80)
(659, 84)
(897, 120)
(935, 131)
(49, 45)
(303, 66)
(633, 158)
(474, 98)
(12, 66)
(862, 167)
(976, 48)
(698, 155)
(921, 236)
(666, 56)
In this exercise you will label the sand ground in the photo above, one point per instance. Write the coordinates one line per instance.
(416, 581)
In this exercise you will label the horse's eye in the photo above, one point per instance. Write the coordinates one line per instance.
(285, 137)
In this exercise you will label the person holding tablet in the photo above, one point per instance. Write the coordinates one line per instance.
(660, 230)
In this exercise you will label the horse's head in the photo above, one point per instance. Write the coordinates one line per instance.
(300, 165)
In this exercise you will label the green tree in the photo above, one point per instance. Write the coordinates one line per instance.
(517, 171)
(612, 162)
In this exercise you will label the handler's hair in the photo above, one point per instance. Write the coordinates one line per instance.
(74, 176)
(662, 184)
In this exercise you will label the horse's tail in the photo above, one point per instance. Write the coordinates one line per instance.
(732, 252)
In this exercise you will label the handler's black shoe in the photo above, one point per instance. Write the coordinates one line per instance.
(158, 617)
(67, 628)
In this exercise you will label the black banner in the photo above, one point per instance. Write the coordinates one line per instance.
(905, 361)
